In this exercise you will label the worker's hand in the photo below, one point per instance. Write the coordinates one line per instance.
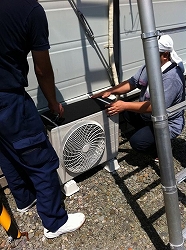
(102, 94)
(56, 108)
(115, 107)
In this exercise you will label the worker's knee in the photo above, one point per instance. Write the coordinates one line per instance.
(140, 145)
(136, 145)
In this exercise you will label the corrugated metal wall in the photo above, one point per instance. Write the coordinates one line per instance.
(77, 68)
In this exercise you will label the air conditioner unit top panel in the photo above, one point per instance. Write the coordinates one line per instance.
(74, 111)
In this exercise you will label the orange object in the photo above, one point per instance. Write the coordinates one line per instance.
(10, 227)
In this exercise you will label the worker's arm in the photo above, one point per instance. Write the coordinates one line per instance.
(120, 106)
(45, 76)
(121, 88)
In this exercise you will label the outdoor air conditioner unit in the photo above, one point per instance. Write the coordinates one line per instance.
(85, 139)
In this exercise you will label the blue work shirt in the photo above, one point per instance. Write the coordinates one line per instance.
(23, 27)
(174, 92)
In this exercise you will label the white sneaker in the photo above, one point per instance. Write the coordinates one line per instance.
(25, 209)
(74, 222)
(156, 160)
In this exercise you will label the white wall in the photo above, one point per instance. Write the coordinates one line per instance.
(168, 14)
(77, 66)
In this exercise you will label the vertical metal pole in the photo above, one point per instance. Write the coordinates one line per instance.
(160, 123)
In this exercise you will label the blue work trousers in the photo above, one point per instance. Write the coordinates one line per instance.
(28, 160)
(143, 138)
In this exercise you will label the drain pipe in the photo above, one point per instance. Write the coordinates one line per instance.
(111, 43)
(160, 123)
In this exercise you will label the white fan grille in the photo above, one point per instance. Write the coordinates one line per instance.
(83, 146)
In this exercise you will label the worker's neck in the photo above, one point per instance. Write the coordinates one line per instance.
(164, 62)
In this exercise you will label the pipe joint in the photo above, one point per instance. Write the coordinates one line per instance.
(150, 34)
(170, 190)
(159, 118)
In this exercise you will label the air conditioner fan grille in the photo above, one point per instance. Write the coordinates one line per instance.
(83, 147)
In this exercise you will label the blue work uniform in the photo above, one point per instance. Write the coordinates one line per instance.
(174, 92)
(27, 158)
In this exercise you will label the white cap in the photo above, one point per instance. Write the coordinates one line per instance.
(165, 43)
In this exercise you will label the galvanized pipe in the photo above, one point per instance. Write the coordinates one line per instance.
(160, 123)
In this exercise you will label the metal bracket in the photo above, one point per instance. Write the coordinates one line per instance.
(159, 118)
(150, 34)
(169, 189)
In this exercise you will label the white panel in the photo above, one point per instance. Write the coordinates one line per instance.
(110, 127)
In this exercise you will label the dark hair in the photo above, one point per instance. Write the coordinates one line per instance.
(166, 54)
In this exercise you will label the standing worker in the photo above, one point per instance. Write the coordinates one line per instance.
(27, 158)
(138, 114)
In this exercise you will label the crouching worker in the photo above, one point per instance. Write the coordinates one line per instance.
(138, 114)
(27, 158)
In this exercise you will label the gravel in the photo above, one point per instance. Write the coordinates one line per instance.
(124, 210)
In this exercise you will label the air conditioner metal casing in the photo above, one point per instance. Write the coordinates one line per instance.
(59, 135)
